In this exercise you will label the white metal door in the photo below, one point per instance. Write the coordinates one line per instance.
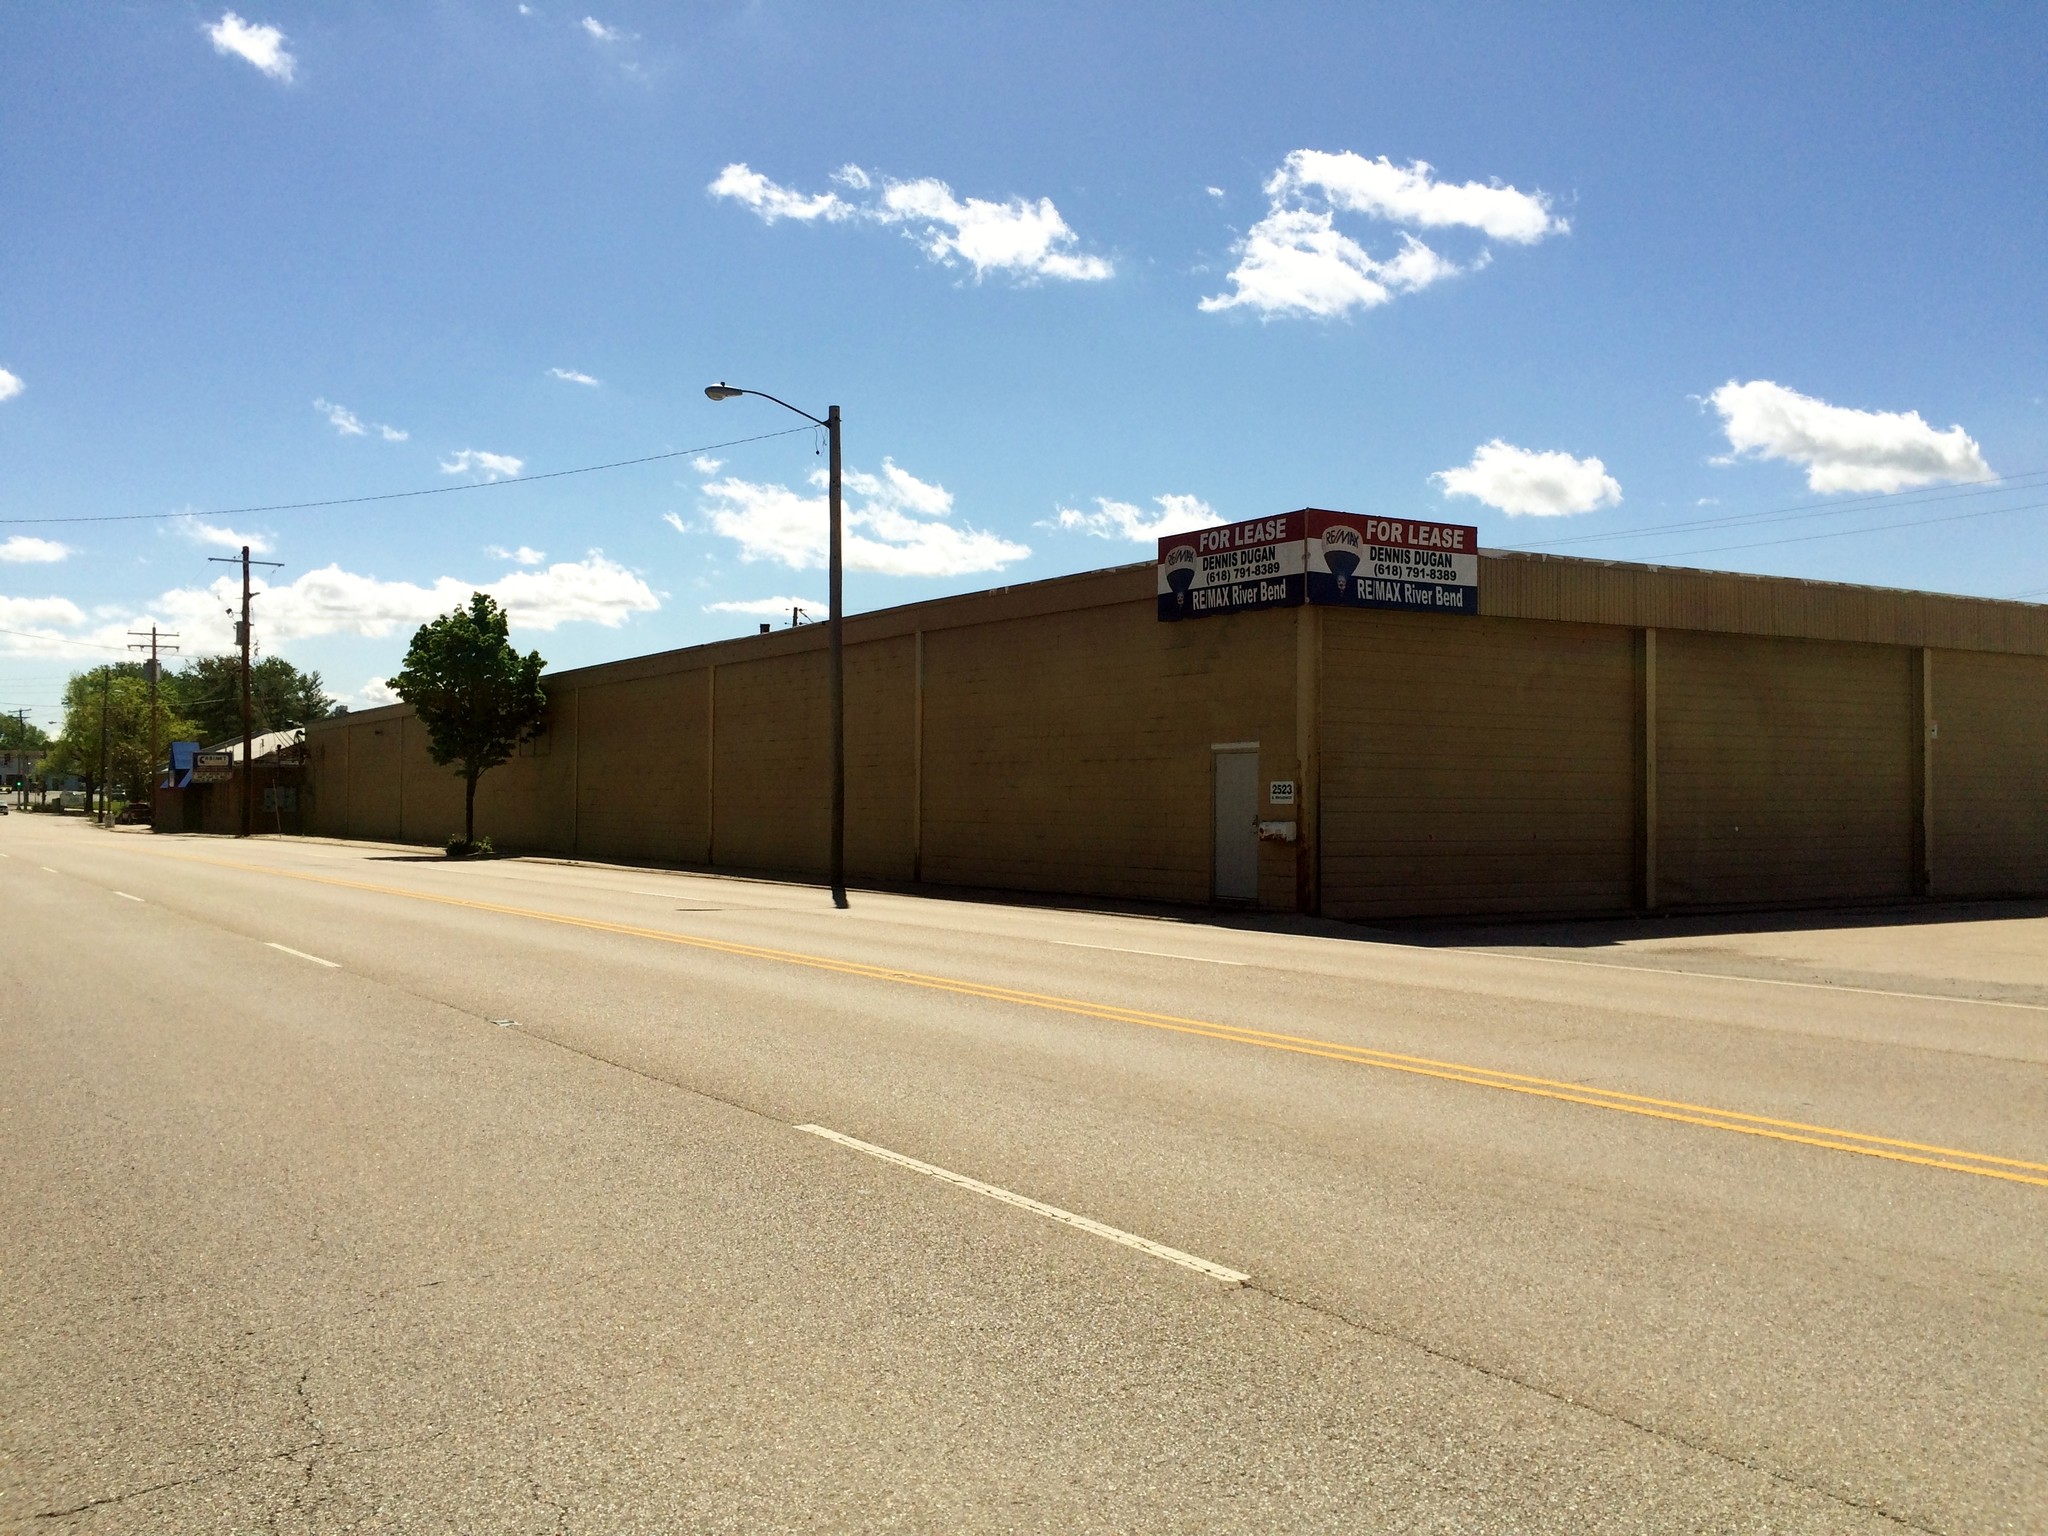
(1237, 826)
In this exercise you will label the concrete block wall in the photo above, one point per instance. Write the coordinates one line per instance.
(1058, 738)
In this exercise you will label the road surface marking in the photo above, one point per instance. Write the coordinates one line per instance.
(126, 897)
(1159, 954)
(47, 870)
(332, 965)
(1037, 1208)
(1861, 1143)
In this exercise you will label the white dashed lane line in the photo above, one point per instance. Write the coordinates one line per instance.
(332, 965)
(1036, 1207)
(126, 897)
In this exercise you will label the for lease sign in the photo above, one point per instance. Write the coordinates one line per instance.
(1318, 556)
(1359, 561)
(1231, 569)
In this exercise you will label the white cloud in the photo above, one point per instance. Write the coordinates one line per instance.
(344, 420)
(262, 46)
(520, 556)
(1018, 236)
(770, 201)
(1525, 483)
(30, 626)
(39, 612)
(220, 536)
(571, 376)
(1295, 261)
(675, 522)
(1024, 238)
(25, 549)
(10, 385)
(349, 424)
(600, 31)
(1411, 194)
(376, 692)
(704, 464)
(1215, 192)
(772, 607)
(491, 466)
(895, 524)
(1843, 449)
(1122, 520)
(330, 601)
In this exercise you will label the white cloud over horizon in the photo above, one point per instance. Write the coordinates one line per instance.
(491, 466)
(331, 601)
(262, 46)
(27, 549)
(571, 376)
(896, 524)
(1295, 261)
(1024, 238)
(771, 607)
(10, 385)
(1841, 448)
(1125, 520)
(1523, 482)
(523, 555)
(220, 536)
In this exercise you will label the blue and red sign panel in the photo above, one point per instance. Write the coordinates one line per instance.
(1232, 569)
(1317, 556)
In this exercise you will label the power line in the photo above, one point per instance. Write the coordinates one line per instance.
(61, 640)
(1922, 496)
(432, 490)
(1843, 533)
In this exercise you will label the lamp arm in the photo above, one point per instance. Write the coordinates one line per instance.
(763, 394)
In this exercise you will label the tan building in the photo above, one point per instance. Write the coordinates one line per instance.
(1602, 738)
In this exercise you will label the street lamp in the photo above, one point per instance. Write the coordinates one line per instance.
(835, 633)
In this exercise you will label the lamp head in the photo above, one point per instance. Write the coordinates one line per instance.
(721, 391)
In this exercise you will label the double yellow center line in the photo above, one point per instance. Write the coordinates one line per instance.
(1891, 1149)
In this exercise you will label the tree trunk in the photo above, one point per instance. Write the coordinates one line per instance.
(469, 808)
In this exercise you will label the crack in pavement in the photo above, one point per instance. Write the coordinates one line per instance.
(1423, 1346)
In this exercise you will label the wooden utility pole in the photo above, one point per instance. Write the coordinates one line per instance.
(106, 683)
(152, 670)
(244, 632)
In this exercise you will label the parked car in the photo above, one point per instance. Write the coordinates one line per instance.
(134, 813)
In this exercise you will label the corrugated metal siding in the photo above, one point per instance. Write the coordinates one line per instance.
(1784, 770)
(1990, 760)
(1476, 766)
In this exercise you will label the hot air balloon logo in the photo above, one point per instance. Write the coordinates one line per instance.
(1342, 548)
(1180, 572)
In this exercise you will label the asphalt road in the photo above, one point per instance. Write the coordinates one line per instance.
(351, 1189)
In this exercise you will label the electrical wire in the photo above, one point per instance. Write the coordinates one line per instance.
(1922, 496)
(1843, 533)
(432, 490)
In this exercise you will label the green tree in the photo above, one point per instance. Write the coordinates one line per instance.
(119, 696)
(208, 690)
(17, 733)
(476, 695)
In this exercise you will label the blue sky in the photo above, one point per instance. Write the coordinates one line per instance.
(1074, 273)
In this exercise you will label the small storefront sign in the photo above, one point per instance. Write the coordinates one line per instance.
(212, 767)
(1342, 559)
